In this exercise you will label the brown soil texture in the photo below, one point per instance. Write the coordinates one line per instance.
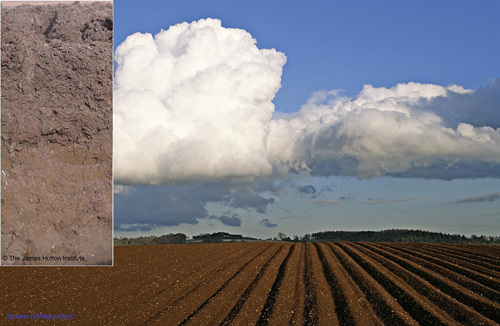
(275, 283)
(57, 94)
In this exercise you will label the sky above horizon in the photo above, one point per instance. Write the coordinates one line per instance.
(264, 117)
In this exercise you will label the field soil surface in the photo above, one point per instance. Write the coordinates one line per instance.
(267, 284)
(56, 137)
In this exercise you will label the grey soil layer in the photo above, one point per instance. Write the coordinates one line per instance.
(56, 137)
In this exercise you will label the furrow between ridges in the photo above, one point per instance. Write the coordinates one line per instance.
(239, 304)
(199, 285)
(447, 303)
(351, 305)
(267, 310)
(418, 306)
(475, 272)
(439, 266)
(481, 305)
(384, 305)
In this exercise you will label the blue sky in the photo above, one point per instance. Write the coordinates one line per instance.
(380, 177)
(345, 45)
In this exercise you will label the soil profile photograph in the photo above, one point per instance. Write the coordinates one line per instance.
(56, 145)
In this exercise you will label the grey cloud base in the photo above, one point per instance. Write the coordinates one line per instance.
(142, 208)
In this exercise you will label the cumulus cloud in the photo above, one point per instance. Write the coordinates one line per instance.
(230, 220)
(268, 224)
(194, 103)
(478, 108)
(482, 198)
(386, 131)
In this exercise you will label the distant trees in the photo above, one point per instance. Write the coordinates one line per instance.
(283, 237)
(171, 238)
(398, 235)
(217, 237)
(393, 235)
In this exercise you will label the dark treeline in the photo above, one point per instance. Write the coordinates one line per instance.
(219, 237)
(180, 238)
(393, 235)
(396, 235)
(152, 240)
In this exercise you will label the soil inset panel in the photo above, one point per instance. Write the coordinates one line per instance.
(56, 133)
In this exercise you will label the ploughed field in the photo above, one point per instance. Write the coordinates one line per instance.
(342, 283)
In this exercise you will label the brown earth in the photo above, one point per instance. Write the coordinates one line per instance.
(56, 139)
(265, 283)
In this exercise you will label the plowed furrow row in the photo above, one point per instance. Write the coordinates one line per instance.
(325, 310)
(311, 314)
(455, 309)
(456, 263)
(239, 304)
(360, 308)
(252, 307)
(147, 287)
(417, 305)
(267, 310)
(383, 304)
(289, 306)
(492, 251)
(450, 273)
(190, 302)
(472, 251)
(470, 259)
(218, 306)
(209, 266)
(480, 304)
(174, 287)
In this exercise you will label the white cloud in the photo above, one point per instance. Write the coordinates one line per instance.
(194, 103)
(381, 131)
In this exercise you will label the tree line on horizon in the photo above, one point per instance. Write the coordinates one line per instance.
(177, 238)
(401, 235)
(392, 235)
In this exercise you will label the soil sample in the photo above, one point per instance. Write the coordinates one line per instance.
(56, 136)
